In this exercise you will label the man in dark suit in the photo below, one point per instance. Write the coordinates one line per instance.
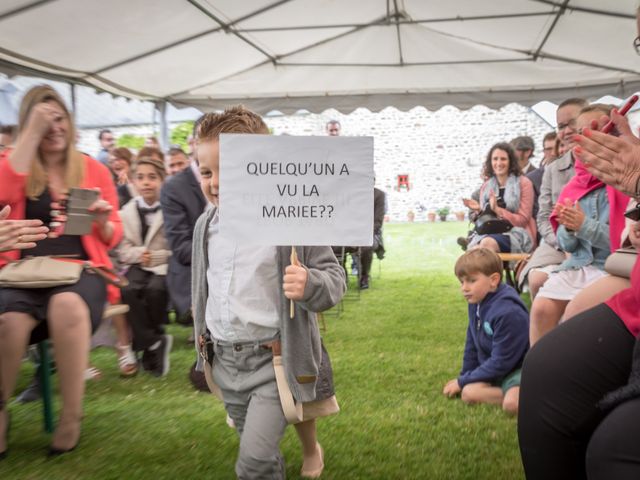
(524, 147)
(366, 253)
(182, 202)
(535, 176)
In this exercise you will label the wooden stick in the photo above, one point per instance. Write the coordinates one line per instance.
(294, 261)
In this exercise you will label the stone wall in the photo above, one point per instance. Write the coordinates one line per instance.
(441, 151)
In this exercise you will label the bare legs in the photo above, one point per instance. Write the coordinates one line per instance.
(490, 243)
(313, 461)
(15, 329)
(596, 293)
(536, 279)
(486, 393)
(545, 316)
(122, 329)
(127, 362)
(70, 329)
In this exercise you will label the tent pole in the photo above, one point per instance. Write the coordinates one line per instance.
(164, 125)
(74, 106)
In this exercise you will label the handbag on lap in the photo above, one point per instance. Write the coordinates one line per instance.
(621, 262)
(489, 223)
(48, 271)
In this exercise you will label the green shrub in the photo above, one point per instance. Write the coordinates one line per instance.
(128, 140)
(180, 134)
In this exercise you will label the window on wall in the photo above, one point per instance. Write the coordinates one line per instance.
(403, 182)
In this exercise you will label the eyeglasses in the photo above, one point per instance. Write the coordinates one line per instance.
(636, 45)
(548, 149)
(571, 124)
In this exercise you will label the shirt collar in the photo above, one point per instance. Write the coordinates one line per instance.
(142, 204)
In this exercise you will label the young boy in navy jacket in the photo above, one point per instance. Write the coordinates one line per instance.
(497, 335)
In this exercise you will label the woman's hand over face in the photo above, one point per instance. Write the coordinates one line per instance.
(41, 119)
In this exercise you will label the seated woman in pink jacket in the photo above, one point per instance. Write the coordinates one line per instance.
(43, 166)
(510, 196)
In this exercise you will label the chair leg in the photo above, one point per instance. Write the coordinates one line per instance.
(45, 384)
(510, 276)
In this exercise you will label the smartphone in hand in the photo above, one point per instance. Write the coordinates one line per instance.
(623, 111)
(633, 213)
(79, 219)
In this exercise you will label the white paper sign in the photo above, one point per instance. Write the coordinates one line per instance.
(286, 190)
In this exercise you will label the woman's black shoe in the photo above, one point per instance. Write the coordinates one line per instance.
(55, 452)
(4, 454)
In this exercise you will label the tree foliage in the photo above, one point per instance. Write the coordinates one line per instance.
(180, 133)
(128, 140)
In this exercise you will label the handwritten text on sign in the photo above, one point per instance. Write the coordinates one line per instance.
(288, 190)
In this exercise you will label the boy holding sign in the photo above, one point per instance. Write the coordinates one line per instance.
(241, 297)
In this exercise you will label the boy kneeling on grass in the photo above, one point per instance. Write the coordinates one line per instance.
(497, 335)
(241, 297)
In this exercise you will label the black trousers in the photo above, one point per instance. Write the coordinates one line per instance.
(147, 298)
(366, 258)
(562, 433)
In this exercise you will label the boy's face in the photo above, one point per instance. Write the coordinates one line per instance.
(148, 183)
(476, 286)
(209, 157)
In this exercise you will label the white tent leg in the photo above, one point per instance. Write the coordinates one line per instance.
(164, 125)
(74, 105)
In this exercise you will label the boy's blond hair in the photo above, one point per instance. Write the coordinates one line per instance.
(478, 260)
(236, 119)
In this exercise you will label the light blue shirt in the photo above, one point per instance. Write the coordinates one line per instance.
(243, 300)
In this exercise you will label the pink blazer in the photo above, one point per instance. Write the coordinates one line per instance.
(96, 175)
(524, 216)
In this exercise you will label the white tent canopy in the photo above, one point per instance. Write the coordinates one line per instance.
(315, 54)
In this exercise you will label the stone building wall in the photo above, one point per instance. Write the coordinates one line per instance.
(441, 151)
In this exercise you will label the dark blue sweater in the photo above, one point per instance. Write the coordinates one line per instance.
(497, 338)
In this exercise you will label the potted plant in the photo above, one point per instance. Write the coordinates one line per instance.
(443, 212)
(460, 215)
(411, 215)
(431, 216)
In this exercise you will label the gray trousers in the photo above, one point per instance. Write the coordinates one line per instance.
(244, 372)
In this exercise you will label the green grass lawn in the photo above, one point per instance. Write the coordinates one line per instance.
(392, 351)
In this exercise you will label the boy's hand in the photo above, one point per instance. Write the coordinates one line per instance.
(145, 260)
(295, 280)
(452, 388)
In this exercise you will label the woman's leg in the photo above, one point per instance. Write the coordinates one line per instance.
(595, 294)
(614, 449)
(312, 458)
(15, 329)
(564, 375)
(490, 243)
(545, 316)
(536, 279)
(120, 325)
(70, 328)
(127, 362)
